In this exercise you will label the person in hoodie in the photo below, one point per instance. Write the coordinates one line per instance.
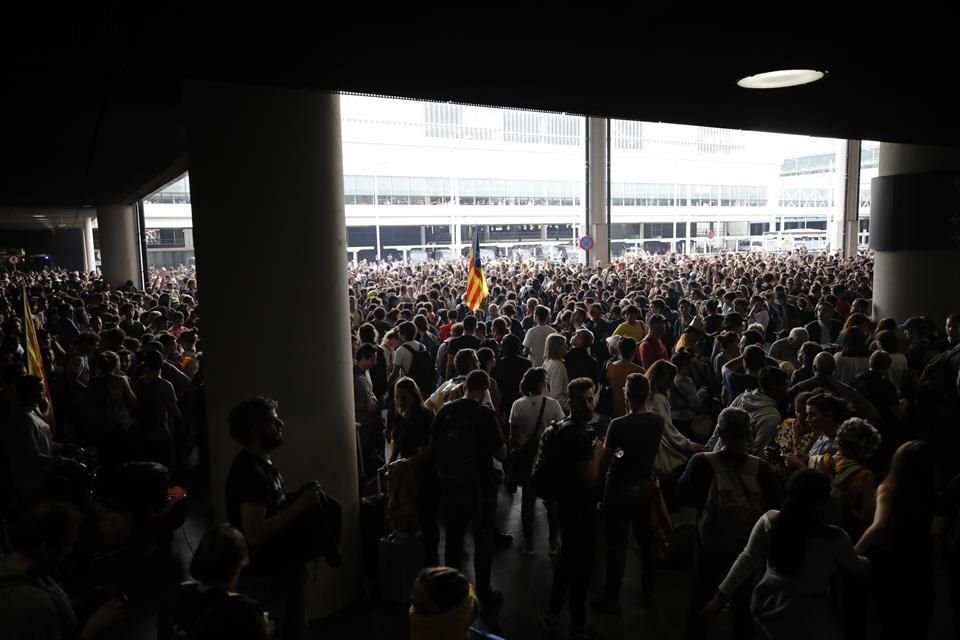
(764, 405)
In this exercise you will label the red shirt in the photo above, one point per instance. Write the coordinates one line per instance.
(651, 350)
(445, 331)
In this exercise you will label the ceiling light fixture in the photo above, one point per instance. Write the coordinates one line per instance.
(780, 79)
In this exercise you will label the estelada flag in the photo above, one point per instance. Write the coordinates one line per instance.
(477, 289)
(34, 359)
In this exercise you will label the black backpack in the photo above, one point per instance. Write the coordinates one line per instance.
(937, 381)
(455, 445)
(422, 370)
(547, 466)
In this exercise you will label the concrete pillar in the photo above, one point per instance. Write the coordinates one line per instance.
(598, 171)
(119, 244)
(285, 146)
(915, 232)
(188, 239)
(851, 201)
(89, 251)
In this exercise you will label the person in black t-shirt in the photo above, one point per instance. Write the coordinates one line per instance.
(257, 506)
(630, 448)
(211, 602)
(509, 372)
(411, 439)
(465, 438)
(579, 362)
(467, 341)
(577, 462)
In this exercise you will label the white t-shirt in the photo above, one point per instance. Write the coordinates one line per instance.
(761, 317)
(524, 412)
(898, 367)
(536, 342)
(403, 358)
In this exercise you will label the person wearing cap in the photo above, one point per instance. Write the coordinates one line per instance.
(692, 334)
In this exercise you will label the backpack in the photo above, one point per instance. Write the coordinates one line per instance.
(422, 369)
(734, 504)
(842, 512)
(547, 474)
(936, 382)
(455, 446)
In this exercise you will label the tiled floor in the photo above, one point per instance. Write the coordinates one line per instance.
(524, 580)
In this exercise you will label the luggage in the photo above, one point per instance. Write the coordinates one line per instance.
(399, 559)
(373, 526)
(315, 533)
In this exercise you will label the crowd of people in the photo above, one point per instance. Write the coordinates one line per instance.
(814, 441)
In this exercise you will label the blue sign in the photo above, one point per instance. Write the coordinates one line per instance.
(586, 243)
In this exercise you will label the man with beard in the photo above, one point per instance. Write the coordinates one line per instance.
(258, 506)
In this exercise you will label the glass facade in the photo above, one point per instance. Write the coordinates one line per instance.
(422, 177)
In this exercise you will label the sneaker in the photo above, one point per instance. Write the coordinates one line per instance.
(605, 605)
(554, 548)
(548, 621)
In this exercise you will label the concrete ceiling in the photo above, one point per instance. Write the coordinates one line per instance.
(93, 115)
(39, 219)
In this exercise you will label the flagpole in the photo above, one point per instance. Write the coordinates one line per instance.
(34, 356)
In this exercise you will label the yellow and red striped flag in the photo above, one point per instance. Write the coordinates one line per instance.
(34, 359)
(477, 290)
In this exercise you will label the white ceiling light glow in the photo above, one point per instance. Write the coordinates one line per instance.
(780, 79)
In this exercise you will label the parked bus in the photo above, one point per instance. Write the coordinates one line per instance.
(792, 239)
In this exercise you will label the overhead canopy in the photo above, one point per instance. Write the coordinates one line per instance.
(96, 117)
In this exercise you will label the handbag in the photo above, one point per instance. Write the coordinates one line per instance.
(520, 462)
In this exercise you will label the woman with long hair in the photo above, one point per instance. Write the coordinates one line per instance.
(900, 542)
(557, 380)
(685, 398)
(854, 358)
(661, 376)
(801, 554)
(859, 320)
(409, 439)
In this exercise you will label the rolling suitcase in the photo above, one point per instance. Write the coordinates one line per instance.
(373, 526)
(399, 560)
